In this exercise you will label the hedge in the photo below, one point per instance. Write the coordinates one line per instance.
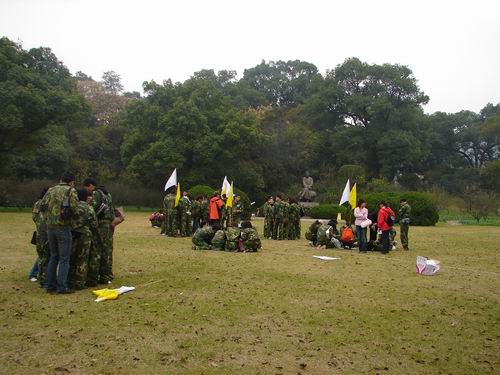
(423, 211)
(327, 211)
(198, 190)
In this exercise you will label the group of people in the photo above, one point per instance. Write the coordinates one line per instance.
(184, 217)
(282, 218)
(74, 236)
(379, 225)
(242, 238)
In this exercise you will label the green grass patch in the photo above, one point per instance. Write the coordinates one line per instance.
(276, 311)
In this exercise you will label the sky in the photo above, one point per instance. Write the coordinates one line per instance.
(452, 47)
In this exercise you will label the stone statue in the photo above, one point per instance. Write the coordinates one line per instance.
(307, 194)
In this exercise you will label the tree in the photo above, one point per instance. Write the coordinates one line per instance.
(112, 82)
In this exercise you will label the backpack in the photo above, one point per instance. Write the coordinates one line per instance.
(347, 235)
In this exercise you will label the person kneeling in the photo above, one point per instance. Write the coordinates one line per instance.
(219, 238)
(327, 235)
(347, 237)
(202, 238)
(250, 237)
(312, 233)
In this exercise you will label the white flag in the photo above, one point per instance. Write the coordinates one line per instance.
(172, 181)
(345, 194)
(226, 186)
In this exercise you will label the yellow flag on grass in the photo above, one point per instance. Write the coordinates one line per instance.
(352, 197)
(177, 195)
(229, 202)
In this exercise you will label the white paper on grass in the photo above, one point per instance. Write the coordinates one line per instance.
(427, 267)
(323, 257)
(125, 289)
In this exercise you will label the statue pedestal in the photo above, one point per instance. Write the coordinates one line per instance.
(306, 206)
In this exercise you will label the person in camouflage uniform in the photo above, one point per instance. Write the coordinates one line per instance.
(237, 212)
(294, 220)
(184, 212)
(267, 211)
(204, 206)
(250, 237)
(286, 219)
(83, 225)
(279, 219)
(327, 235)
(233, 239)
(196, 213)
(42, 245)
(102, 202)
(170, 214)
(404, 213)
(219, 238)
(202, 238)
(312, 233)
(58, 204)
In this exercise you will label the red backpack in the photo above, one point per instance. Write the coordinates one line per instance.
(347, 235)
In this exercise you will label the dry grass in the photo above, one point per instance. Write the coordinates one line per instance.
(277, 311)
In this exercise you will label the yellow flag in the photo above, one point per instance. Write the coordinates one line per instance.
(339, 217)
(178, 195)
(229, 202)
(352, 197)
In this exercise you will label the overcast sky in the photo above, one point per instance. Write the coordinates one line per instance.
(452, 46)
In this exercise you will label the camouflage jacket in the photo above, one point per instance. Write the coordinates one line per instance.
(84, 220)
(233, 234)
(37, 215)
(103, 205)
(169, 203)
(204, 210)
(205, 234)
(52, 203)
(196, 208)
(249, 234)
(219, 239)
(237, 211)
(267, 210)
(294, 212)
(404, 211)
(185, 206)
(279, 210)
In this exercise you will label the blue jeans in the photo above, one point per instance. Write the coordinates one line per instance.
(60, 253)
(361, 235)
(34, 269)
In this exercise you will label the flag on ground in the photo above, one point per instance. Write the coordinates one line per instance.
(177, 195)
(172, 181)
(345, 194)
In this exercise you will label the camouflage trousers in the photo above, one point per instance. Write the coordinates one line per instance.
(78, 263)
(185, 225)
(232, 246)
(252, 245)
(200, 244)
(279, 229)
(94, 262)
(43, 251)
(268, 227)
(170, 224)
(106, 251)
(294, 230)
(404, 234)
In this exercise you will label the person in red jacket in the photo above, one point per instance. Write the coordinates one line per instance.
(215, 208)
(385, 221)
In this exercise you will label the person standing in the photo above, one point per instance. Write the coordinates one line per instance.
(42, 246)
(361, 215)
(170, 212)
(59, 203)
(215, 209)
(237, 212)
(267, 211)
(385, 222)
(404, 222)
(278, 219)
(294, 220)
(196, 213)
(185, 226)
(286, 218)
(105, 212)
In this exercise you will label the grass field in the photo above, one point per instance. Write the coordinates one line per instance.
(277, 311)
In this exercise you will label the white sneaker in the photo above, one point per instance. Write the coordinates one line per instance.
(33, 279)
(394, 248)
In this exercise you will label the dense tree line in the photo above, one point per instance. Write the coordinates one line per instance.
(359, 120)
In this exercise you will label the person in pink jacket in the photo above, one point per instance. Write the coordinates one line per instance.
(385, 221)
(361, 215)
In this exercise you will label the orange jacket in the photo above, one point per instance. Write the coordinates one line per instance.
(215, 205)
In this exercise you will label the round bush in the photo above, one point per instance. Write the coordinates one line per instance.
(423, 211)
(326, 211)
(198, 190)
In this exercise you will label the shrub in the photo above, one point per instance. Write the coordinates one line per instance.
(198, 190)
(423, 211)
(326, 211)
